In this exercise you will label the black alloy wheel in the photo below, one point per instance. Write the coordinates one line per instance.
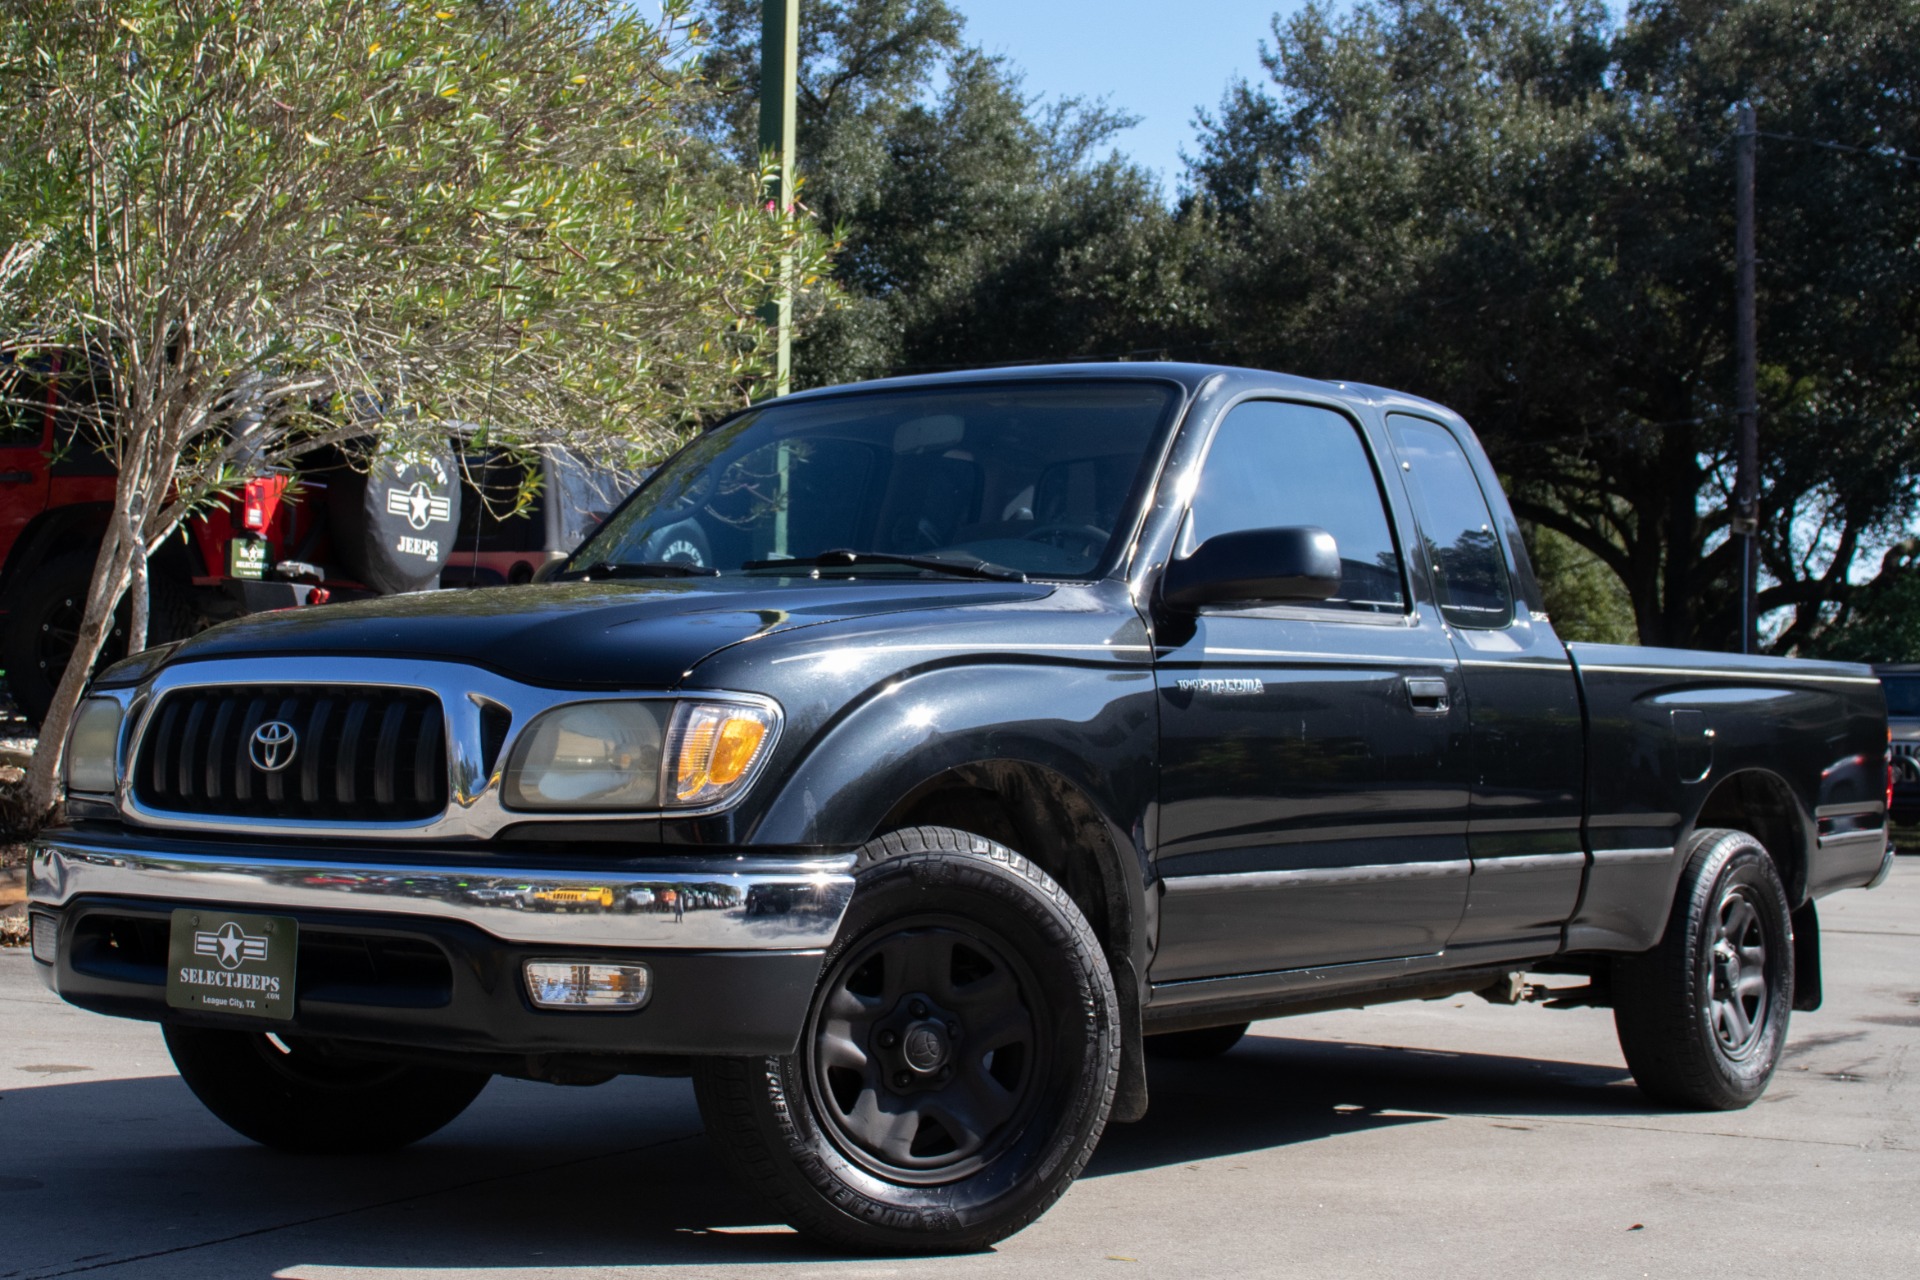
(1702, 1017)
(43, 612)
(957, 1064)
(923, 1054)
(42, 626)
(1738, 997)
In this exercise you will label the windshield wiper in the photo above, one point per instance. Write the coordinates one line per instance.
(843, 557)
(639, 569)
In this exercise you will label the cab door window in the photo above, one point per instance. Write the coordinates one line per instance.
(1274, 464)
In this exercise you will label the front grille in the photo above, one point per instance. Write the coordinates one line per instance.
(357, 753)
(1906, 761)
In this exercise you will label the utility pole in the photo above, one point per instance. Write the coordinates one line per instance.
(1746, 497)
(779, 79)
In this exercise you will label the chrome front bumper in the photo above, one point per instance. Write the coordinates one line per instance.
(709, 904)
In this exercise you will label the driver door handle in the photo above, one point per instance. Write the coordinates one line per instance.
(1428, 695)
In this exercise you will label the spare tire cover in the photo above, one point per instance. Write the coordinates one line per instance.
(394, 525)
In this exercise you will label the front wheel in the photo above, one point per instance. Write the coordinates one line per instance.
(958, 1062)
(304, 1096)
(1703, 1016)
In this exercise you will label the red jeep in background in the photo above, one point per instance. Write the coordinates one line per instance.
(333, 532)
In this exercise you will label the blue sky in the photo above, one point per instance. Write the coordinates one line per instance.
(1157, 61)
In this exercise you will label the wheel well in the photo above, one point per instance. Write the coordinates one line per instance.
(1763, 806)
(1041, 815)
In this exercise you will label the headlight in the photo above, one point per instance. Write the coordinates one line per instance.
(93, 747)
(713, 750)
(610, 755)
(592, 755)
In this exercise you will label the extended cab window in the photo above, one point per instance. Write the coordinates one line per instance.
(1273, 464)
(1463, 546)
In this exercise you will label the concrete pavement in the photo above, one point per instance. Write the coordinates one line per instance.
(1444, 1139)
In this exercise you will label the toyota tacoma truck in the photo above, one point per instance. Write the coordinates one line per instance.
(906, 761)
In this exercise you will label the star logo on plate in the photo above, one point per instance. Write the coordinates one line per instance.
(230, 945)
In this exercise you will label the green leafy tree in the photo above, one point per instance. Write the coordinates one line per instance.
(256, 220)
(976, 224)
(1525, 210)
(1584, 598)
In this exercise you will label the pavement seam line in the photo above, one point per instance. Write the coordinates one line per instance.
(1679, 1133)
(349, 1212)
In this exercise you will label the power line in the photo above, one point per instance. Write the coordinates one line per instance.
(1884, 153)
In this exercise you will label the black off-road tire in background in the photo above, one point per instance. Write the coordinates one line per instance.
(43, 612)
(309, 1100)
(957, 1065)
(1196, 1045)
(1703, 1016)
(395, 517)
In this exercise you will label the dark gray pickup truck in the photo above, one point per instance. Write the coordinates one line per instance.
(907, 761)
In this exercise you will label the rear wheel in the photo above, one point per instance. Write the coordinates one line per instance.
(304, 1096)
(42, 625)
(1703, 1016)
(958, 1061)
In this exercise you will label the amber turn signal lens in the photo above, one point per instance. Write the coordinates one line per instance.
(739, 740)
(714, 747)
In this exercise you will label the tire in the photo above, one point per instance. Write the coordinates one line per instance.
(1196, 1045)
(957, 1065)
(43, 622)
(395, 518)
(1703, 1016)
(311, 1100)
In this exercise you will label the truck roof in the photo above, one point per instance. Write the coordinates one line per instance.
(1189, 376)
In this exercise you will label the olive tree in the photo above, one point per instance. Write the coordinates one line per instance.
(272, 226)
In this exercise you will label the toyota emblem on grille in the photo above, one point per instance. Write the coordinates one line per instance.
(273, 746)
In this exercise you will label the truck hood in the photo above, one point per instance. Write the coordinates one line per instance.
(628, 635)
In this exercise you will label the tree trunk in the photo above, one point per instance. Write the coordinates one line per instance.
(141, 598)
(110, 574)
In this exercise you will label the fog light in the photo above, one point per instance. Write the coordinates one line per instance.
(557, 984)
(46, 938)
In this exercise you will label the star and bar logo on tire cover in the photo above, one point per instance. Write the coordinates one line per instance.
(419, 504)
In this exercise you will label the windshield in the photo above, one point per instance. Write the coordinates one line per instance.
(1035, 477)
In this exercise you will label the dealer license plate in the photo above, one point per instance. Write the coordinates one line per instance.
(247, 558)
(225, 962)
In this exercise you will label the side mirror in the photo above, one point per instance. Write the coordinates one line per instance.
(1255, 565)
